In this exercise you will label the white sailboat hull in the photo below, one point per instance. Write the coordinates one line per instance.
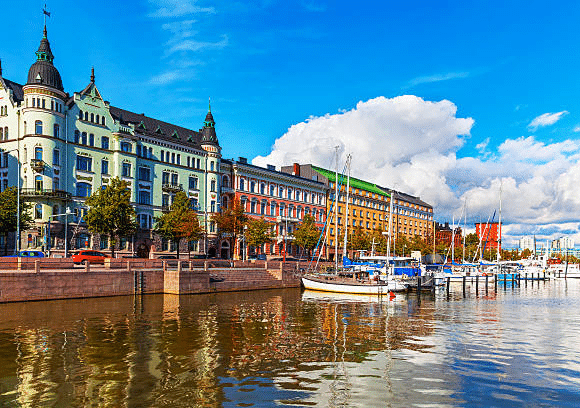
(383, 287)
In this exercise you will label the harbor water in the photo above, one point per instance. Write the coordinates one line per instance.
(517, 347)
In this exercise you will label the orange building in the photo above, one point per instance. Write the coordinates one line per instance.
(489, 234)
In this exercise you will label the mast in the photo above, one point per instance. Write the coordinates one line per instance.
(464, 223)
(390, 224)
(453, 241)
(348, 159)
(499, 232)
(336, 213)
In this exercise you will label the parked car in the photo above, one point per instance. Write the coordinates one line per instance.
(27, 253)
(167, 257)
(90, 256)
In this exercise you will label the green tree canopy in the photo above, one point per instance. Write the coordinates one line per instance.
(230, 222)
(9, 209)
(180, 221)
(110, 211)
(259, 232)
(306, 236)
(359, 240)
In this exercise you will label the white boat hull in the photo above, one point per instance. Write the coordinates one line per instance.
(357, 288)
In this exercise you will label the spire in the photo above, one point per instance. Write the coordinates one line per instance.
(44, 53)
(92, 75)
(208, 131)
(44, 34)
(209, 103)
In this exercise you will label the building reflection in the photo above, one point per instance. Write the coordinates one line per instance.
(192, 350)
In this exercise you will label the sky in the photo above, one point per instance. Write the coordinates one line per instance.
(450, 101)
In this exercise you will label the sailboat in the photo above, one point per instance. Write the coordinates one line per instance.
(367, 277)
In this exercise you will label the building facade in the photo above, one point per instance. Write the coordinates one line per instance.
(369, 208)
(60, 148)
(489, 234)
(280, 198)
(445, 234)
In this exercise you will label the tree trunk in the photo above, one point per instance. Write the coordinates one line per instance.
(178, 242)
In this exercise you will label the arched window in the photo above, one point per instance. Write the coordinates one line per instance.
(213, 186)
(84, 138)
(77, 136)
(38, 127)
(92, 117)
(84, 190)
(80, 114)
(225, 202)
(253, 186)
(242, 182)
(225, 181)
(98, 121)
(87, 116)
(103, 121)
(38, 153)
(38, 183)
(51, 104)
(262, 188)
(56, 131)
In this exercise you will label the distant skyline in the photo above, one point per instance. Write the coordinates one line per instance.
(444, 100)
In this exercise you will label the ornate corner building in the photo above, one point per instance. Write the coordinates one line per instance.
(60, 148)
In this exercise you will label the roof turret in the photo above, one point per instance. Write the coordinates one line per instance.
(208, 131)
(43, 71)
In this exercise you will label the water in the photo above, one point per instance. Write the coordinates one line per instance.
(516, 348)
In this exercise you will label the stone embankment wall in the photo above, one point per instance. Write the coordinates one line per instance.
(24, 279)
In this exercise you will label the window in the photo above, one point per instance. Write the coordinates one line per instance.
(126, 170)
(84, 163)
(105, 167)
(213, 186)
(144, 221)
(173, 158)
(126, 147)
(92, 117)
(56, 131)
(162, 156)
(144, 197)
(179, 159)
(38, 153)
(144, 174)
(253, 207)
(242, 184)
(272, 189)
(263, 208)
(212, 207)
(38, 211)
(56, 183)
(193, 183)
(56, 157)
(103, 121)
(272, 209)
(174, 179)
(84, 138)
(198, 163)
(97, 121)
(211, 165)
(253, 186)
(77, 136)
(6, 133)
(83, 190)
(38, 183)
(38, 127)
(91, 140)
(262, 188)
(165, 200)
(105, 142)
(87, 116)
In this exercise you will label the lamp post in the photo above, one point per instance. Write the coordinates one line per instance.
(68, 212)
(17, 238)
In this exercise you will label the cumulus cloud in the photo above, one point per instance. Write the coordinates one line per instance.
(545, 119)
(412, 145)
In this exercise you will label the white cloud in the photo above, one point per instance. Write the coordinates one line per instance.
(194, 45)
(177, 8)
(437, 78)
(545, 119)
(411, 144)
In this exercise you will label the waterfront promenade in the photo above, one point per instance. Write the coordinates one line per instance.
(53, 278)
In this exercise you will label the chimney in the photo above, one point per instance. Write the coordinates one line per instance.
(243, 160)
(296, 170)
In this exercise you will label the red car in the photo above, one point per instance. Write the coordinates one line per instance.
(90, 256)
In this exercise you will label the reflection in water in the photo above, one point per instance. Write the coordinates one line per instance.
(513, 348)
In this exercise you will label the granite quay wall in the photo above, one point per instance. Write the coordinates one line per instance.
(47, 278)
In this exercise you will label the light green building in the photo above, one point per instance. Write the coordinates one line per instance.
(60, 148)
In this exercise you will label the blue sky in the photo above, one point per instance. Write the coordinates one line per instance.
(293, 72)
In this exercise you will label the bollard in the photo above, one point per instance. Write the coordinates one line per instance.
(464, 286)
(37, 266)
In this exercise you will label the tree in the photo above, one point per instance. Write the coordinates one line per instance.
(230, 222)
(8, 210)
(306, 236)
(259, 232)
(110, 212)
(180, 221)
(359, 240)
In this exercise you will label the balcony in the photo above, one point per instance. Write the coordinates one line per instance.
(171, 187)
(37, 165)
(227, 189)
(54, 194)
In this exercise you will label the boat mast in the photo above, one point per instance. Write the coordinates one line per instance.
(464, 223)
(499, 232)
(390, 224)
(453, 241)
(348, 159)
(336, 213)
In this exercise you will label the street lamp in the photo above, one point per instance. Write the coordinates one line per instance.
(17, 238)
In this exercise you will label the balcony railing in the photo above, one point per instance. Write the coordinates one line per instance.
(171, 187)
(37, 165)
(56, 194)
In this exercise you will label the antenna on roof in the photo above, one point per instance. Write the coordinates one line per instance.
(46, 14)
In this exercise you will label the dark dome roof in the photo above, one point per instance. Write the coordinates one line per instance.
(43, 71)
